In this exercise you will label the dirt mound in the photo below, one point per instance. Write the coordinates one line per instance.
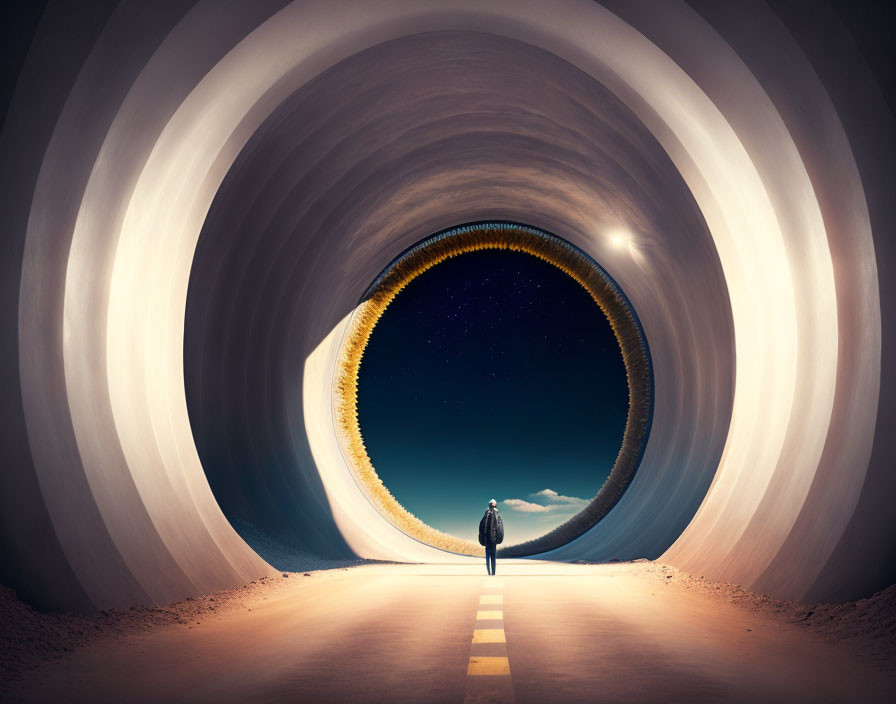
(29, 638)
(867, 626)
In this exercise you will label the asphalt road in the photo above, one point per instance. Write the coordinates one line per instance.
(537, 632)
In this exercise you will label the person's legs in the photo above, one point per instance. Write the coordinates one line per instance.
(490, 558)
(494, 558)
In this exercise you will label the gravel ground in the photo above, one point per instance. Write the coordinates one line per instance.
(867, 627)
(29, 639)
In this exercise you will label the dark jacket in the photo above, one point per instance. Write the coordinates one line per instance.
(491, 528)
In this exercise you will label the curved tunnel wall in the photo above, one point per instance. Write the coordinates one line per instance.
(197, 195)
(326, 167)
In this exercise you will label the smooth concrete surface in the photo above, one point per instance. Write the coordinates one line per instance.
(197, 193)
(408, 633)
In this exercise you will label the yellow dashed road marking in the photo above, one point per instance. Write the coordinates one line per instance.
(489, 635)
(488, 670)
(488, 666)
(489, 615)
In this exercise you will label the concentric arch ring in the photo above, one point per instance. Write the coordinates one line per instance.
(553, 250)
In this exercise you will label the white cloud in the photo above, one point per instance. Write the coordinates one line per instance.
(555, 502)
(555, 498)
(526, 506)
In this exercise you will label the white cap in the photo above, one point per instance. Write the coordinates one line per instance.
(492, 503)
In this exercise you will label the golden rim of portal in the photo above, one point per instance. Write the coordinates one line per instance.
(553, 250)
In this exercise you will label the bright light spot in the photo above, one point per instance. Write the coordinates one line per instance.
(623, 240)
(619, 239)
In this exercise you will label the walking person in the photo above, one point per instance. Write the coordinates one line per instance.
(491, 534)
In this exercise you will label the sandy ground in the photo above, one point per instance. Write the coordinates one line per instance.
(639, 632)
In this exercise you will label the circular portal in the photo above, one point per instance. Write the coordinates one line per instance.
(547, 248)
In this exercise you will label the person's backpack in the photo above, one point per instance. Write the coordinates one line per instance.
(499, 528)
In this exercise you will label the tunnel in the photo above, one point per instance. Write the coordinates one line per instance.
(197, 196)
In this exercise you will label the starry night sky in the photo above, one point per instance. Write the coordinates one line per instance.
(493, 375)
